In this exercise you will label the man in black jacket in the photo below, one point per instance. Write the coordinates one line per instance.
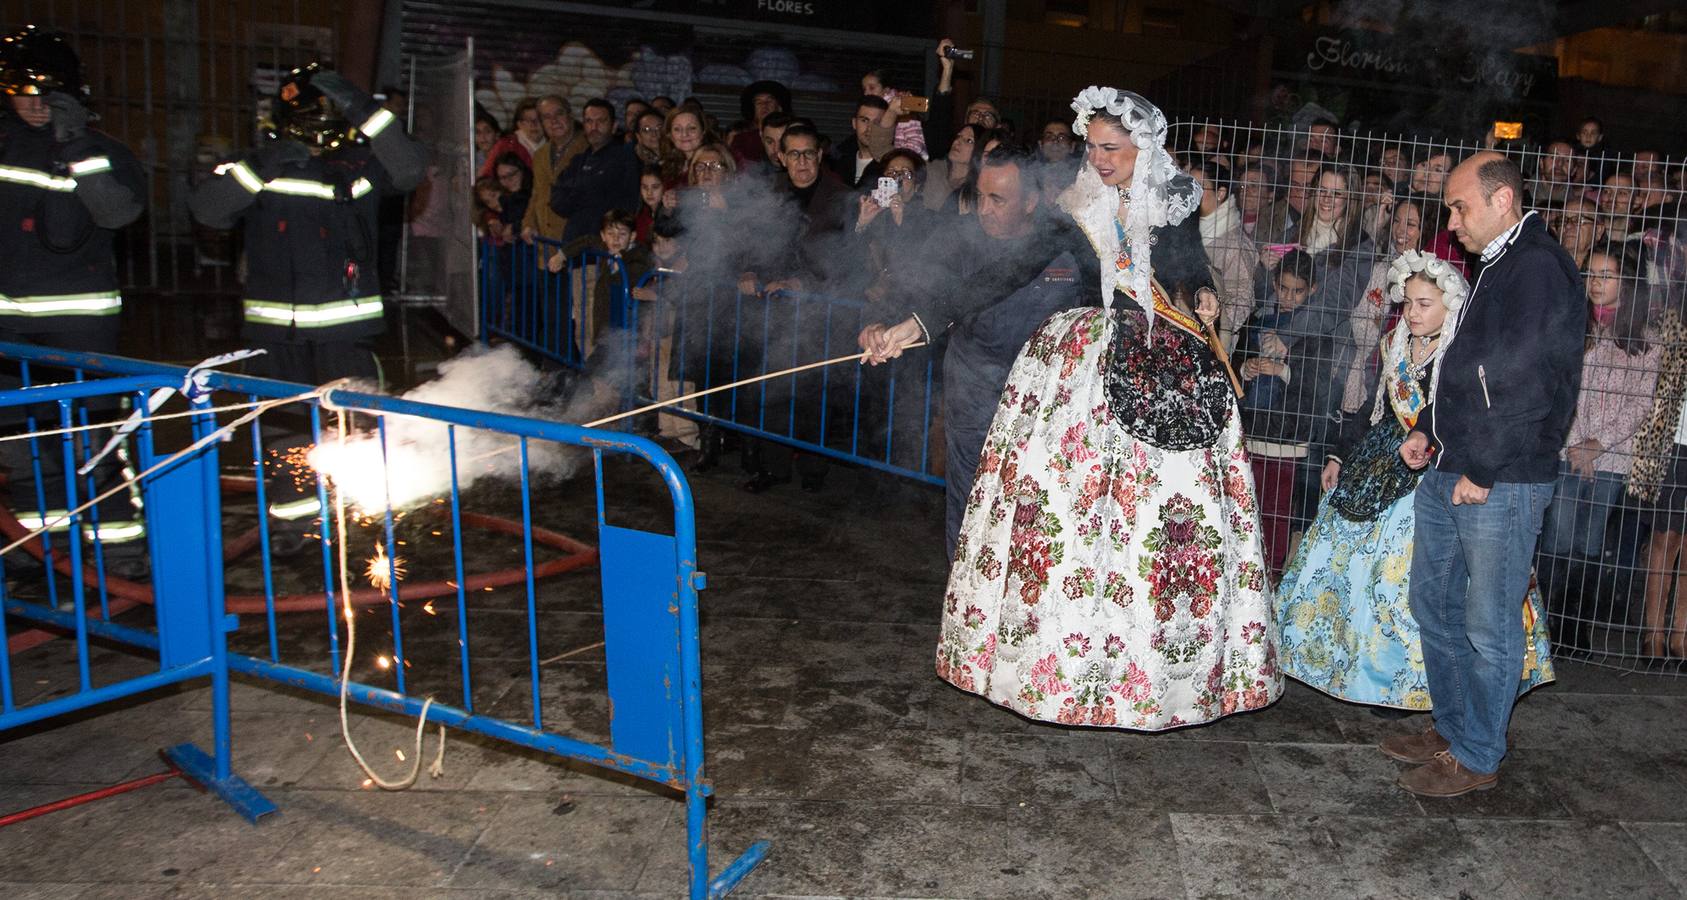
(988, 289)
(602, 178)
(1499, 411)
(856, 159)
(802, 254)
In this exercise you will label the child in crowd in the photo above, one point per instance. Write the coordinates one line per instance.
(488, 211)
(1285, 405)
(613, 352)
(909, 135)
(650, 208)
(657, 300)
(619, 251)
(515, 185)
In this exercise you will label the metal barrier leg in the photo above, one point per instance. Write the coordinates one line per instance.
(735, 872)
(201, 770)
(185, 506)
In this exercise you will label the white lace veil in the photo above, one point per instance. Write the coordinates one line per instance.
(1454, 289)
(1159, 194)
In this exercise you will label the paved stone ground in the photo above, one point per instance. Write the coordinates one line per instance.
(829, 735)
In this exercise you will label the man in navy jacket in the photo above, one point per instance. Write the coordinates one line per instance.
(602, 178)
(987, 291)
(1500, 408)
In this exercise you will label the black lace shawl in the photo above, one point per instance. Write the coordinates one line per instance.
(1175, 393)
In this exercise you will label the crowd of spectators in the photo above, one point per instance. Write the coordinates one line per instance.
(1299, 224)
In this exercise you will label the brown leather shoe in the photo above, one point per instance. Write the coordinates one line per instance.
(1416, 749)
(1445, 777)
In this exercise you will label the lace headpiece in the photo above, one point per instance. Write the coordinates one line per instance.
(1454, 290)
(1159, 193)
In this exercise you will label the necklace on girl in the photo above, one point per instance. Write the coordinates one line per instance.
(1422, 343)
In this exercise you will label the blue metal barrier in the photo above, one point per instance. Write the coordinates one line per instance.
(649, 583)
(883, 417)
(548, 313)
(182, 518)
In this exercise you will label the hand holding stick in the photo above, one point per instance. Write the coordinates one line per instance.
(1206, 311)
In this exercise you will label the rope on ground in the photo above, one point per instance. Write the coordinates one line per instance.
(575, 652)
(438, 767)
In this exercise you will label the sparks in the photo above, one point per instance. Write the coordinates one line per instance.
(363, 467)
(380, 573)
(428, 608)
(382, 662)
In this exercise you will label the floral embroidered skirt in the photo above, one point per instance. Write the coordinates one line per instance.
(1099, 580)
(1347, 621)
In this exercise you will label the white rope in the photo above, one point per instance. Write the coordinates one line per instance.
(195, 384)
(167, 461)
(96, 426)
(575, 652)
(438, 767)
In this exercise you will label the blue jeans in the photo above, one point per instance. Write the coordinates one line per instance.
(1580, 509)
(1470, 571)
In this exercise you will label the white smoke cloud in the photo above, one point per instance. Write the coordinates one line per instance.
(415, 465)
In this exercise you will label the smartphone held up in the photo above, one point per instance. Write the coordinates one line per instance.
(885, 192)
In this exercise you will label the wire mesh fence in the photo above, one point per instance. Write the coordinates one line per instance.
(1301, 226)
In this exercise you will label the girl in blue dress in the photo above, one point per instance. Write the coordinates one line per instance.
(1347, 626)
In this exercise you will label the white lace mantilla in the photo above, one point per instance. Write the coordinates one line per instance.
(1159, 194)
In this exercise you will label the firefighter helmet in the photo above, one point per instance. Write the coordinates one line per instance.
(304, 114)
(35, 62)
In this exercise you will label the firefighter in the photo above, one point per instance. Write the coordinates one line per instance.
(65, 190)
(310, 197)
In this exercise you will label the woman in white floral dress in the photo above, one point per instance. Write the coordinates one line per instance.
(1109, 570)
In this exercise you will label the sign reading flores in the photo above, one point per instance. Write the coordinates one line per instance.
(1332, 53)
(786, 7)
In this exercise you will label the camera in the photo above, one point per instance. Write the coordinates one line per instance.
(957, 53)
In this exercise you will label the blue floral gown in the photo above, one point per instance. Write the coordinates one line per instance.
(1347, 626)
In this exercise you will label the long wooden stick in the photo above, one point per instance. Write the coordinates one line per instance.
(695, 394)
(739, 383)
(1217, 346)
